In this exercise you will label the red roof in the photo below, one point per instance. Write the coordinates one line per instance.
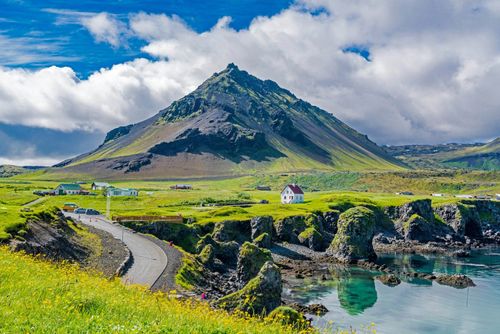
(295, 189)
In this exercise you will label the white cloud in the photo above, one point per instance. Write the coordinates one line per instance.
(105, 28)
(433, 74)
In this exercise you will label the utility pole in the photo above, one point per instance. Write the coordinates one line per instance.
(108, 205)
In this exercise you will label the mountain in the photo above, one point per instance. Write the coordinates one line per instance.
(468, 156)
(234, 123)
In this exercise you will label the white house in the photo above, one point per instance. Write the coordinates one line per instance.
(438, 195)
(100, 186)
(292, 194)
(112, 192)
(464, 196)
(68, 189)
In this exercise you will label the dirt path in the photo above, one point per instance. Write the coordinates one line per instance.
(35, 201)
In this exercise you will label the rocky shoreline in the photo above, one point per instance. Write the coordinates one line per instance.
(238, 259)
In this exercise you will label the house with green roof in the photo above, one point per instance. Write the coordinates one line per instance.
(68, 189)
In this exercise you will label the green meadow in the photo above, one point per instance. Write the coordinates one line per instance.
(214, 200)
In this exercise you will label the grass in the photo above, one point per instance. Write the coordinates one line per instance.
(324, 191)
(40, 297)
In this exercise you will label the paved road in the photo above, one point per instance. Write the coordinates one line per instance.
(149, 259)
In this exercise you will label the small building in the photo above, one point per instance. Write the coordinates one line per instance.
(181, 186)
(438, 195)
(100, 186)
(292, 194)
(482, 197)
(405, 193)
(464, 196)
(497, 196)
(263, 188)
(68, 189)
(113, 192)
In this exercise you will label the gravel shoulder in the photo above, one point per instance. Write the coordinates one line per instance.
(112, 253)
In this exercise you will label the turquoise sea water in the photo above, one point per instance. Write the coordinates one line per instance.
(356, 299)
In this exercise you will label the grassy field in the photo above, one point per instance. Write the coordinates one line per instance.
(205, 202)
(39, 297)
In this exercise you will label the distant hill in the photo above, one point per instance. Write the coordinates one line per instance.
(234, 123)
(11, 170)
(469, 156)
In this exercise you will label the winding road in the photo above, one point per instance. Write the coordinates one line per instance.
(150, 260)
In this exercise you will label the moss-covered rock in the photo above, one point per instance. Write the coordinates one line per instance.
(311, 238)
(250, 260)
(418, 229)
(353, 240)
(207, 256)
(421, 207)
(288, 316)
(260, 225)
(288, 229)
(263, 241)
(227, 252)
(464, 219)
(191, 273)
(330, 219)
(232, 230)
(260, 296)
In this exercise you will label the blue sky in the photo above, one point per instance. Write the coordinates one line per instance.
(413, 71)
(44, 36)
(52, 33)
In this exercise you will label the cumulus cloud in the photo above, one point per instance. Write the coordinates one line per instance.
(105, 28)
(431, 76)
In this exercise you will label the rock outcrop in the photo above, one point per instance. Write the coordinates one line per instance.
(232, 230)
(421, 207)
(262, 224)
(462, 218)
(417, 228)
(353, 240)
(289, 228)
(250, 260)
(48, 234)
(260, 296)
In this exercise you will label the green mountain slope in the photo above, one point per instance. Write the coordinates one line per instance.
(234, 123)
(468, 156)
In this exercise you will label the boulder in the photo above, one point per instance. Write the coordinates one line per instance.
(263, 241)
(260, 225)
(288, 316)
(288, 229)
(260, 296)
(250, 260)
(314, 309)
(389, 280)
(353, 240)
(311, 238)
(458, 281)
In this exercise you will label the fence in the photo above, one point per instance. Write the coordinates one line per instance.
(170, 219)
